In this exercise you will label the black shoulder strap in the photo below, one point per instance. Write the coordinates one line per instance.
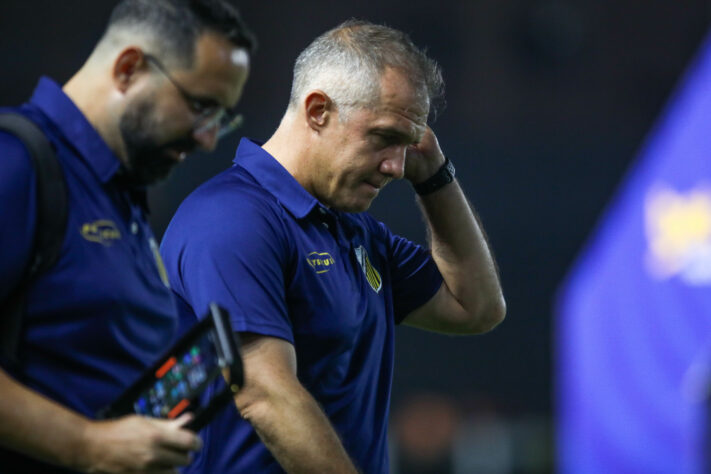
(50, 226)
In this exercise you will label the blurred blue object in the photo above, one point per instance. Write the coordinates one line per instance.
(634, 316)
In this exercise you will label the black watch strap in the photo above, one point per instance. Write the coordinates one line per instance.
(442, 177)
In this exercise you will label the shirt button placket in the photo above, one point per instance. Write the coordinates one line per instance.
(137, 242)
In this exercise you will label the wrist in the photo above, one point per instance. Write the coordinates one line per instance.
(443, 176)
(424, 170)
(87, 448)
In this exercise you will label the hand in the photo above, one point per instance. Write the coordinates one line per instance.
(424, 159)
(135, 444)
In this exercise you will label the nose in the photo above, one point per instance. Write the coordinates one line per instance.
(206, 137)
(394, 163)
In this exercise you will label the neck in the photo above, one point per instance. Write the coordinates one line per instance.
(93, 98)
(290, 146)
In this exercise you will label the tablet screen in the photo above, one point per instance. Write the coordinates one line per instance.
(179, 380)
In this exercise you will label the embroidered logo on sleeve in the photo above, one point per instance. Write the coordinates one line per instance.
(103, 232)
(320, 261)
(371, 274)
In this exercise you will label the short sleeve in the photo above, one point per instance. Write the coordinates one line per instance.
(415, 277)
(17, 211)
(230, 248)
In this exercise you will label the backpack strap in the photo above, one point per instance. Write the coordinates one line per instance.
(50, 227)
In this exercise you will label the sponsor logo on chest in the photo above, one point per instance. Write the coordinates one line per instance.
(321, 262)
(102, 231)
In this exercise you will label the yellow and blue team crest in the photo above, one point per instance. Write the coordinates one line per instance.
(678, 231)
(371, 274)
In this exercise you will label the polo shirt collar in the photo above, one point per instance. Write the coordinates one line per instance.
(59, 108)
(273, 177)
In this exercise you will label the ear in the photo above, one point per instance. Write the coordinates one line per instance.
(318, 108)
(129, 63)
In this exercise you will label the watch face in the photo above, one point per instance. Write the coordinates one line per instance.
(450, 168)
(443, 176)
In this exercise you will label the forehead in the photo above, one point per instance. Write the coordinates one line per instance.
(219, 68)
(401, 105)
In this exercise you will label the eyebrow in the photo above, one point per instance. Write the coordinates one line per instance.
(395, 133)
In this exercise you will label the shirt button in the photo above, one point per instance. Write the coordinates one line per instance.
(322, 211)
(134, 228)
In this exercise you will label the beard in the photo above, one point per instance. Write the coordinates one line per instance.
(148, 159)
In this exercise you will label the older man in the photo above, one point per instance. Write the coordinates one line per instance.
(162, 81)
(315, 285)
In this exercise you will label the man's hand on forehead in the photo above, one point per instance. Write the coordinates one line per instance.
(424, 158)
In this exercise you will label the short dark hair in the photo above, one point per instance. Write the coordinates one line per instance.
(177, 24)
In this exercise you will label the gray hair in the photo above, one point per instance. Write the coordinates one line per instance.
(348, 61)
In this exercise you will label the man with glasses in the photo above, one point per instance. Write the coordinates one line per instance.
(162, 81)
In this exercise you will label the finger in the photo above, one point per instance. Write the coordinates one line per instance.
(178, 422)
(183, 419)
(182, 440)
(173, 436)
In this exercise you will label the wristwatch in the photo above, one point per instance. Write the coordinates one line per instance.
(442, 177)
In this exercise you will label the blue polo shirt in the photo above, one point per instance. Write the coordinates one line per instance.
(333, 284)
(104, 312)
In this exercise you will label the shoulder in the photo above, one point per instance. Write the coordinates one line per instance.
(14, 156)
(228, 205)
(16, 170)
(17, 209)
(16, 165)
(229, 195)
(228, 211)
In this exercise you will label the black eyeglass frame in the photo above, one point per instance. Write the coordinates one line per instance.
(207, 111)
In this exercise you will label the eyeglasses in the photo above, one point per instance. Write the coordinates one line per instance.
(207, 111)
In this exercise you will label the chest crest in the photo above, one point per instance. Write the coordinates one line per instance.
(371, 274)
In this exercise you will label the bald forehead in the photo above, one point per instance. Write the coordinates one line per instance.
(215, 48)
(219, 69)
(400, 95)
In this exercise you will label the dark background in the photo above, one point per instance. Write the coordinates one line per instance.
(548, 102)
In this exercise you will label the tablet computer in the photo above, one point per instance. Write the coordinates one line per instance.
(176, 383)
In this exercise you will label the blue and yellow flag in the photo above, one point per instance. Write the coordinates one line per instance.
(634, 316)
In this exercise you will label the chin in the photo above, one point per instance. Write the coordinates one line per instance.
(354, 202)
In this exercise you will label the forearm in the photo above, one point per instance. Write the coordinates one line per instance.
(463, 256)
(296, 431)
(39, 427)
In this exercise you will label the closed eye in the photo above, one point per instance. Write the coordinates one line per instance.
(204, 106)
(387, 139)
